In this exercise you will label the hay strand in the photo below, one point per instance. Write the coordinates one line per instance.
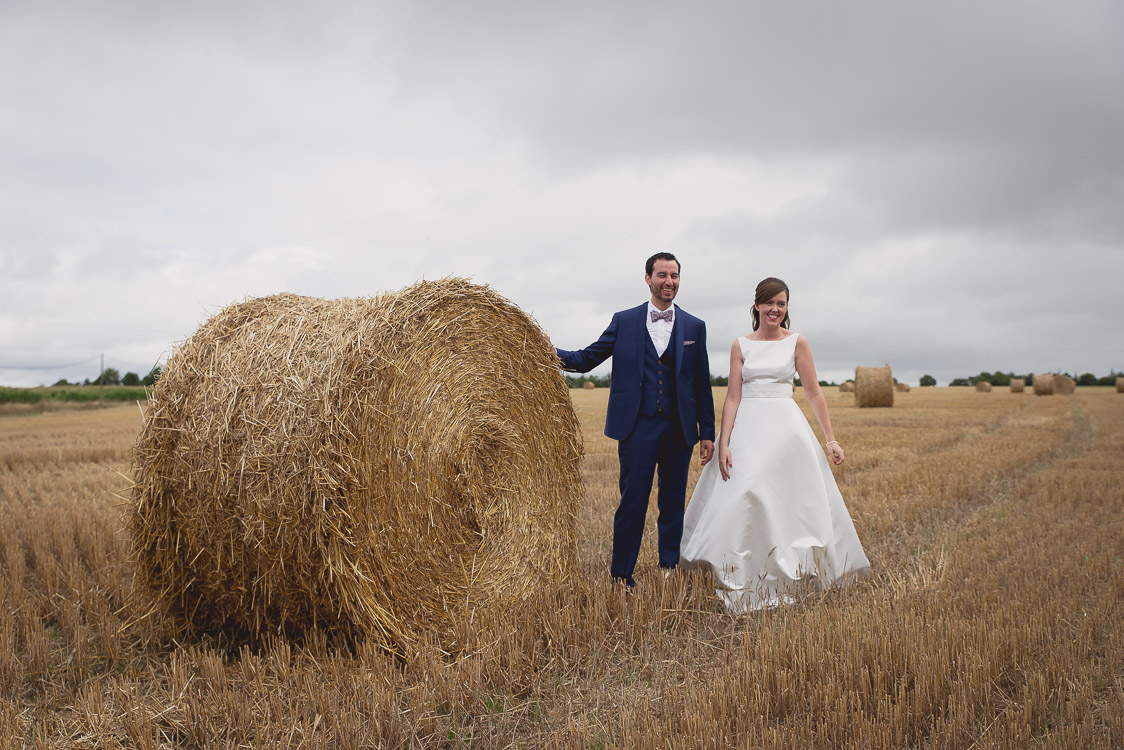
(874, 386)
(380, 466)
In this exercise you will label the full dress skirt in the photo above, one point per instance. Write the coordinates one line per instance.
(778, 526)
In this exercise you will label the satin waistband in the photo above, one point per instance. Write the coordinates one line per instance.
(766, 390)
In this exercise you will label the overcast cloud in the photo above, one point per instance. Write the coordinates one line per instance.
(940, 183)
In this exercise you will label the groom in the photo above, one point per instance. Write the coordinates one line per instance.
(660, 405)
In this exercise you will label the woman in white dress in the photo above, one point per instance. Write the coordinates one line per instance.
(766, 516)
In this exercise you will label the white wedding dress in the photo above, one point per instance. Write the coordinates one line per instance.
(778, 527)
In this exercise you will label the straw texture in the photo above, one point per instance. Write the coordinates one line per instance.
(901, 387)
(380, 466)
(1063, 384)
(1043, 384)
(874, 386)
(983, 386)
(1018, 385)
(848, 387)
(1120, 385)
(588, 385)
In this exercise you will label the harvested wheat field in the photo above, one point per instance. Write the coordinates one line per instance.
(992, 618)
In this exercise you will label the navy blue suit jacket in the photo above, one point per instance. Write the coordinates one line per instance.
(624, 341)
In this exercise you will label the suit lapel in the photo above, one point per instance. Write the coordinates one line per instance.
(677, 335)
(642, 334)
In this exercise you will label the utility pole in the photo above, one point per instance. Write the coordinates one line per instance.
(101, 382)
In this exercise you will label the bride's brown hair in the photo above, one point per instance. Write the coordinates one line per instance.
(766, 290)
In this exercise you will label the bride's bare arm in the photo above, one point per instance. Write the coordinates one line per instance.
(730, 410)
(806, 368)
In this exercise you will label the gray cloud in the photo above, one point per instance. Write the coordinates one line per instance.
(939, 183)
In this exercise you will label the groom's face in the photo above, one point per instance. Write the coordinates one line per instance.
(664, 281)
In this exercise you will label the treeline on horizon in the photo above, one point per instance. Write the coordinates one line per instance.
(995, 378)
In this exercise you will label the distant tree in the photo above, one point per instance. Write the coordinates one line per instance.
(109, 376)
(154, 375)
(725, 380)
(131, 378)
(63, 382)
(960, 381)
(928, 380)
(1087, 378)
(1001, 378)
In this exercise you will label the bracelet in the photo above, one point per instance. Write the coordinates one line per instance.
(829, 442)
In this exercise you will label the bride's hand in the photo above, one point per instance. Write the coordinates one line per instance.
(837, 456)
(725, 462)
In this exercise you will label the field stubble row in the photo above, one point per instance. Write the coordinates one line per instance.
(994, 524)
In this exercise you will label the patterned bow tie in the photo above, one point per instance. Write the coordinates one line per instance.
(665, 315)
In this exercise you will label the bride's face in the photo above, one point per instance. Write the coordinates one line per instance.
(773, 311)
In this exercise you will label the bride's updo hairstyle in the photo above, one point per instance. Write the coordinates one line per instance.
(766, 290)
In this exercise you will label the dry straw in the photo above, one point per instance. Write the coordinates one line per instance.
(1120, 385)
(380, 466)
(983, 386)
(1064, 384)
(1018, 385)
(588, 385)
(848, 387)
(901, 387)
(874, 386)
(1043, 384)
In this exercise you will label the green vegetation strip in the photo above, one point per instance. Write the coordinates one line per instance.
(78, 393)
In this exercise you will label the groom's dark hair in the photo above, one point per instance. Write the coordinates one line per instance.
(651, 264)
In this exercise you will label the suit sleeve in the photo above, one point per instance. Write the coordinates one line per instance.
(704, 394)
(584, 360)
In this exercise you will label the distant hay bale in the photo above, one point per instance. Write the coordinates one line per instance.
(901, 387)
(588, 385)
(1018, 385)
(1064, 384)
(874, 386)
(983, 386)
(1120, 385)
(377, 466)
(1043, 384)
(848, 387)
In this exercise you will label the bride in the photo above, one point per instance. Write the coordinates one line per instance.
(766, 518)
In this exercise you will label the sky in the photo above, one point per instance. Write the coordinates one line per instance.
(941, 184)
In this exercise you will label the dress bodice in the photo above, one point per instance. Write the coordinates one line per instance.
(768, 367)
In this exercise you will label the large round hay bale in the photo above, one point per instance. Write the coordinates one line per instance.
(848, 387)
(1064, 384)
(901, 387)
(1018, 385)
(1043, 384)
(1120, 385)
(377, 466)
(588, 385)
(874, 386)
(983, 386)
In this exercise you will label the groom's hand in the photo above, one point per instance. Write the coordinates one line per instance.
(706, 450)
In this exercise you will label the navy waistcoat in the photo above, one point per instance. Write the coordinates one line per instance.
(658, 392)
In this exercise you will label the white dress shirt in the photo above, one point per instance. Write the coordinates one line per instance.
(659, 330)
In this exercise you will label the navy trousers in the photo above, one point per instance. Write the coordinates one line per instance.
(656, 443)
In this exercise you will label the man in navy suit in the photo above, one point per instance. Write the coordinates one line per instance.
(660, 405)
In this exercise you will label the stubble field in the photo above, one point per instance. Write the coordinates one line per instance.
(994, 615)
